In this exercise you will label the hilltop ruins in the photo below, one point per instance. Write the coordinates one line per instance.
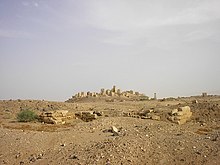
(114, 92)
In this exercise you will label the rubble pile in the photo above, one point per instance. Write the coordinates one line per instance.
(87, 115)
(56, 117)
(180, 115)
(143, 114)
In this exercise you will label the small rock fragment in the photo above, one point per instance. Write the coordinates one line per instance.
(21, 162)
(63, 145)
(73, 157)
(194, 102)
(115, 131)
(32, 158)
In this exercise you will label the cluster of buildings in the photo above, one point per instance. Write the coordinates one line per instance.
(108, 92)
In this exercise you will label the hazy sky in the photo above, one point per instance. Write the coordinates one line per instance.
(51, 49)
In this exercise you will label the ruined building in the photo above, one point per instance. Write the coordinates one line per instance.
(114, 92)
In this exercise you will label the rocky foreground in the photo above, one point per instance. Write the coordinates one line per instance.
(148, 135)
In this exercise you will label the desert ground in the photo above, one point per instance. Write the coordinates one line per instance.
(138, 140)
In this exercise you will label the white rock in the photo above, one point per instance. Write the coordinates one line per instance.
(114, 131)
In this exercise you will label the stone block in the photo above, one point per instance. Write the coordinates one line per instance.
(180, 115)
(112, 93)
(56, 117)
(155, 117)
(182, 121)
(126, 114)
(185, 109)
(98, 113)
(108, 92)
(145, 117)
(194, 102)
(115, 131)
(145, 112)
(174, 111)
(86, 115)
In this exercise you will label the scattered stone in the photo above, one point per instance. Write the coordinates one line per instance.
(127, 114)
(216, 138)
(198, 153)
(40, 156)
(203, 124)
(56, 117)
(145, 112)
(145, 117)
(135, 116)
(32, 158)
(86, 115)
(98, 113)
(73, 157)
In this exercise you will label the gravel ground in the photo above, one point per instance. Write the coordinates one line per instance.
(138, 141)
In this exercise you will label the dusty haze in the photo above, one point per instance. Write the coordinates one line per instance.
(53, 49)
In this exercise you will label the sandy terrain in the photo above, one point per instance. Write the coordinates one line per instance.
(139, 141)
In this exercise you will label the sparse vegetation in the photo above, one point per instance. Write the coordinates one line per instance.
(120, 128)
(27, 116)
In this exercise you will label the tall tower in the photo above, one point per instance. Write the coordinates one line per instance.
(114, 89)
(155, 96)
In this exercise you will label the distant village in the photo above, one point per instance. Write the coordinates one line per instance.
(108, 92)
(116, 92)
